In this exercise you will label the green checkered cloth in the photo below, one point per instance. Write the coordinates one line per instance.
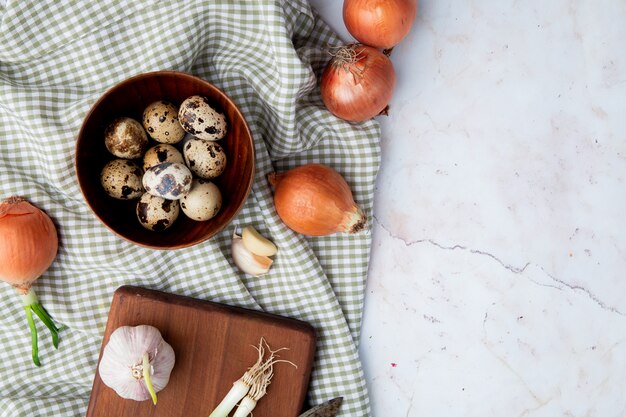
(56, 59)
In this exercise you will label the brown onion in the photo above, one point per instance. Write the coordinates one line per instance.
(315, 200)
(379, 23)
(28, 245)
(357, 83)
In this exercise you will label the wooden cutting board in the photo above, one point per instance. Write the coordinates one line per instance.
(213, 345)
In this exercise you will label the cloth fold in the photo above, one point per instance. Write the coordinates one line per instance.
(56, 59)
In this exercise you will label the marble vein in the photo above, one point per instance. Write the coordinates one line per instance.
(517, 270)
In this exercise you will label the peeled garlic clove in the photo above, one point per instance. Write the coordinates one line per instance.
(256, 243)
(121, 366)
(247, 261)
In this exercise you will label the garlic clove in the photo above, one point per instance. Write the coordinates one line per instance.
(256, 243)
(247, 261)
(162, 365)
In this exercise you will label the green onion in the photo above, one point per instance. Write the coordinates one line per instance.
(251, 386)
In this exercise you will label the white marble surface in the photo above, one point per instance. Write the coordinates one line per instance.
(497, 285)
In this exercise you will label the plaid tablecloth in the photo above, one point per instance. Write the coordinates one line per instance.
(56, 59)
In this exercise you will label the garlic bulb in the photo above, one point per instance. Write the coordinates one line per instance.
(127, 357)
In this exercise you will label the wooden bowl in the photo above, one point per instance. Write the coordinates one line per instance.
(130, 98)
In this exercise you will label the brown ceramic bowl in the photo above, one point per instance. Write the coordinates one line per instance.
(130, 98)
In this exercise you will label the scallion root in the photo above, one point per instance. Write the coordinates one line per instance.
(252, 385)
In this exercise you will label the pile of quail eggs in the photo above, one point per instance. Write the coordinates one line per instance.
(175, 174)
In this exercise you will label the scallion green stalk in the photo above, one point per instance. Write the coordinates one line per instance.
(31, 305)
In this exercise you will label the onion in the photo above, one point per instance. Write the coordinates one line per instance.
(357, 83)
(315, 200)
(379, 23)
(28, 246)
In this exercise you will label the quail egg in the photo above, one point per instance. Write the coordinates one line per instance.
(156, 213)
(121, 179)
(205, 159)
(161, 153)
(125, 138)
(197, 117)
(203, 201)
(169, 180)
(161, 121)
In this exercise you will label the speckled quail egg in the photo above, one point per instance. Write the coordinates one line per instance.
(121, 179)
(169, 180)
(125, 138)
(197, 117)
(161, 153)
(161, 121)
(203, 201)
(156, 213)
(205, 159)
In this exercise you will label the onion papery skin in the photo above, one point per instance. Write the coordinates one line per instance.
(379, 23)
(28, 243)
(315, 200)
(359, 90)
